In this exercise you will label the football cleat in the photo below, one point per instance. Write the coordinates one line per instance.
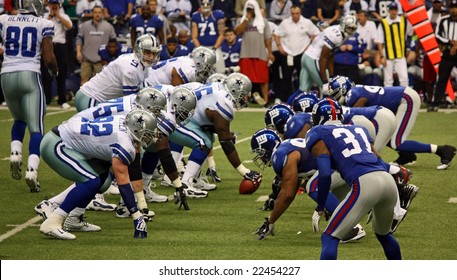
(446, 153)
(77, 223)
(123, 212)
(355, 234)
(151, 196)
(166, 181)
(45, 208)
(407, 195)
(31, 178)
(406, 158)
(16, 165)
(99, 204)
(158, 173)
(58, 232)
(202, 183)
(211, 173)
(397, 220)
(113, 188)
(193, 192)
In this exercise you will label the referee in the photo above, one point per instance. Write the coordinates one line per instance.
(446, 34)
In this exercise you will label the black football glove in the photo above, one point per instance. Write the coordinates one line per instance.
(254, 176)
(180, 197)
(265, 230)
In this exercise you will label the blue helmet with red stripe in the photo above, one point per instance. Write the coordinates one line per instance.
(327, 110)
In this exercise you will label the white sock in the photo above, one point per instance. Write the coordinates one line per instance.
(77, 212)
(146, 179)
(33, 162)
(16, 147)
(433, 147)
(176, 156)
(61, 196)
(211, 162)
(192, 170)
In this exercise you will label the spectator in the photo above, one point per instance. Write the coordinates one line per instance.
(118, 13)
(228, 7)
(178, 12)
(91, 35)
(144, 23)
(391, 39)
(308, 9)
(328, 12)
(292, 37)
(279, 10)
(158, 9)
(231, 48)
(62, 23)
(240, 4)
(435, 12)
(346, 62)
(379, 9)
(352, 7)
(255, 48)
(172, 49)
(84, 8)
(208, 27)
(112, 50)
(184, 40)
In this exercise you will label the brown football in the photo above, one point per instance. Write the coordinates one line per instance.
(248, 186)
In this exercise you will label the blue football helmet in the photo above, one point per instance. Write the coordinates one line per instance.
(327, 110)
(338, 87)
(277, 116)
(263, 144)
(296, 123)
(304, 102)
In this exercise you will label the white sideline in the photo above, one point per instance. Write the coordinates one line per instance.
(19, 228)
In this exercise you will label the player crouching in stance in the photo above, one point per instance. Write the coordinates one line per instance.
(348, 150)
(84, 151)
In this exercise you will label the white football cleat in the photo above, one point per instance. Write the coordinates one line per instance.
(202, 183)
(99, 204)
(113, 189)
(152, 196)
(77, 223)
(193, 192)
(45, 208)
(16, 165)
(31, 178)
(56, 232)
(355, 234)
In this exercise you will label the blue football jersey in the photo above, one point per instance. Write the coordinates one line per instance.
(142, 26)
(207, 27)
(231, 54)
(180, 51)
(307, 165)
(349, 147)
(105, 55)
(389, 97)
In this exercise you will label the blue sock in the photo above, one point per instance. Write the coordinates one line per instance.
(149, 162)
(81, 195)
(198, 156)
(330, 204)
(329, 247)
(35, 142)
(18, 131)
(175, 147)
(390, 246)
(414, 146)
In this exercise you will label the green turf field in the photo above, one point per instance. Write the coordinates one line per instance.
(220, 227)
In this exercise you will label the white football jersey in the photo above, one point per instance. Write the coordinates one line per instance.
(161, 72)
(22, 36)
(214, 97)
(118, 106)
(102, 138)
(332, 37)
(120, 77)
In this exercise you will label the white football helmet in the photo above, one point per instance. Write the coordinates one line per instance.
(141, 125)
(29, 6)
(204, 59)
(239, 88)
(151, 99)
(150, 44)
(216, 78)
(348, 25)
(183, 102)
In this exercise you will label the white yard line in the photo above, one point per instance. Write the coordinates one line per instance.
(19, 228)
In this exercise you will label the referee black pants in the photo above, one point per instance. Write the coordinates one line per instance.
(447, 63)
(60, 52)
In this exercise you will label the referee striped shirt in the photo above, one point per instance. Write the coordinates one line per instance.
(446, 30)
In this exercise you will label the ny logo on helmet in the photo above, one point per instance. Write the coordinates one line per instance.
(262, 138)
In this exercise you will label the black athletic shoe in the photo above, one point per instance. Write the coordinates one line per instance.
(407, 195)
(446, 153)
(210, 172)
(405, 158)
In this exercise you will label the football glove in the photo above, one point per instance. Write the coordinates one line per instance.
(180, 197)
(403, 176)
(317, 218)
(141, 228)
(146, 216)
(265, 230)
(254, 176)
(234, 138)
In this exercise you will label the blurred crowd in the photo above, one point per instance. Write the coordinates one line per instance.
(112, 27)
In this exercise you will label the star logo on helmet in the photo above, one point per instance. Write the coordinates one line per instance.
(153, 96)
(183, 97)
(239, 82)
(140, 120)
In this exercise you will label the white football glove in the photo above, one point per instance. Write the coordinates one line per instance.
(315, 221)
